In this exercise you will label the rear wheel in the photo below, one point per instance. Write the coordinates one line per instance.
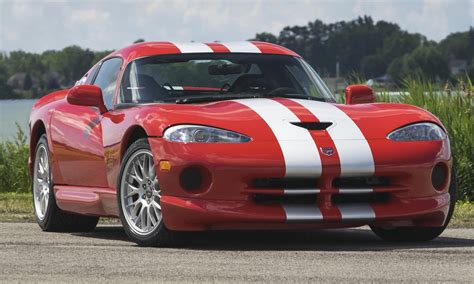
(415, 234)
(48, 216)
(139, 198)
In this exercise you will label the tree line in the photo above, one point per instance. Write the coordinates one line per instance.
(373, 49)
(32, 75)
(361, 46)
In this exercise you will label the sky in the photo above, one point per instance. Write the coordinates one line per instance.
(36, 26)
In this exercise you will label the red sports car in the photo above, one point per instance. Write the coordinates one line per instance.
(176, 137)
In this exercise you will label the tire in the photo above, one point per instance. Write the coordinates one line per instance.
(138, 197)
(48, 216)
(421, 234)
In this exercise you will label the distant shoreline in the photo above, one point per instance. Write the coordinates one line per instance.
(20, 99)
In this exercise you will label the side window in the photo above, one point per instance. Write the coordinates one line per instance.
(91, 74)
(82, 81)
(106, 79)
(87, 78)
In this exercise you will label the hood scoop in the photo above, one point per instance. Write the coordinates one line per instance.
(313, 125)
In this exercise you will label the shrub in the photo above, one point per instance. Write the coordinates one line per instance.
(14, 176)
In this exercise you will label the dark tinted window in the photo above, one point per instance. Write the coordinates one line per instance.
(168, 77)
(106, 79)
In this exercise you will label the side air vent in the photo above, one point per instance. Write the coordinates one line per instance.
(313, 125)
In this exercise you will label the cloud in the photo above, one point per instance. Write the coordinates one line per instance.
(40, 25)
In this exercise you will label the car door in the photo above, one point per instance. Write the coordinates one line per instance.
(76, 133)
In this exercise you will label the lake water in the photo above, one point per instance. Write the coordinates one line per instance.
(12, 111)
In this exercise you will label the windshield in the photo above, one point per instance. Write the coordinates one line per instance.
(205, 77)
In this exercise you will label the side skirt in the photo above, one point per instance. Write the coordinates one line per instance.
(95, 201)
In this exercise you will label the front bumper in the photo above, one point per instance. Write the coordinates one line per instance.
(229, 200)
(187, 214)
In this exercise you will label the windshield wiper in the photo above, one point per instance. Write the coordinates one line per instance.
(293, 96)
(221, 97)
(198, 99)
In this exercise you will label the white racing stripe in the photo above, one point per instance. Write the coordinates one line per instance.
(302, 213)
(355, 190)
(301, 191)
(193, 47)
(356, 212)
(299, 150)
(241, 46)
(175, 88)
(353, 149)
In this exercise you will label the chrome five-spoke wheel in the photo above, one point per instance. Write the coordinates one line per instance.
(140, 193)
(41, 182)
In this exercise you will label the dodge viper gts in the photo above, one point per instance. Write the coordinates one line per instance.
(179, 137)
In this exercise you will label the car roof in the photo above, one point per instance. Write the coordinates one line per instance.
(144, 49)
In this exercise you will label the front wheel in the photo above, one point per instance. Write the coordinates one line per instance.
(419, 234)
(139, 196)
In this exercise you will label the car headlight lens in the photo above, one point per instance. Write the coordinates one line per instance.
(418, 132)
(202, 134)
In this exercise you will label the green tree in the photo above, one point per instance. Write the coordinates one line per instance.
(266, 37)
(98, 55)
(425, 60)
(373, 65)
(72, 62)
(20, 61)
(395, 69)
(5, 91)
(457, 45)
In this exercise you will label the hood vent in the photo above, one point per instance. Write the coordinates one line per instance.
(313, 125)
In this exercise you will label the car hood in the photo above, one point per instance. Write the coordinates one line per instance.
(259, 118)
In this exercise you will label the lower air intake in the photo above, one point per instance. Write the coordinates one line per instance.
(360, 182)
(284, 183)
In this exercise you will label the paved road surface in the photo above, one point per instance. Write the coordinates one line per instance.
(27, 254)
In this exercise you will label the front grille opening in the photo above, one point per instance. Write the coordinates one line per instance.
(360, 182)
(279, 199)
(284, 183)
(378, 197)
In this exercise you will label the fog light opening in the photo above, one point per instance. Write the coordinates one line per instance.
(439, 176)
(195, 179)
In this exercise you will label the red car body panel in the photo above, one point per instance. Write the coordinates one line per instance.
(87, 148)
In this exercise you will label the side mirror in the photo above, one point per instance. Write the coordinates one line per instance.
(86, 95)
(359, 94)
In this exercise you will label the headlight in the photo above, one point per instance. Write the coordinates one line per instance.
(418, 132)
(202, 134)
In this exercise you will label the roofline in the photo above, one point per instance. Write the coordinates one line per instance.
(144, 49)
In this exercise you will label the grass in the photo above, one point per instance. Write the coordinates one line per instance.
(18, 207)
(463, 215)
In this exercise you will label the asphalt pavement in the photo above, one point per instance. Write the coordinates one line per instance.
(351, 255)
